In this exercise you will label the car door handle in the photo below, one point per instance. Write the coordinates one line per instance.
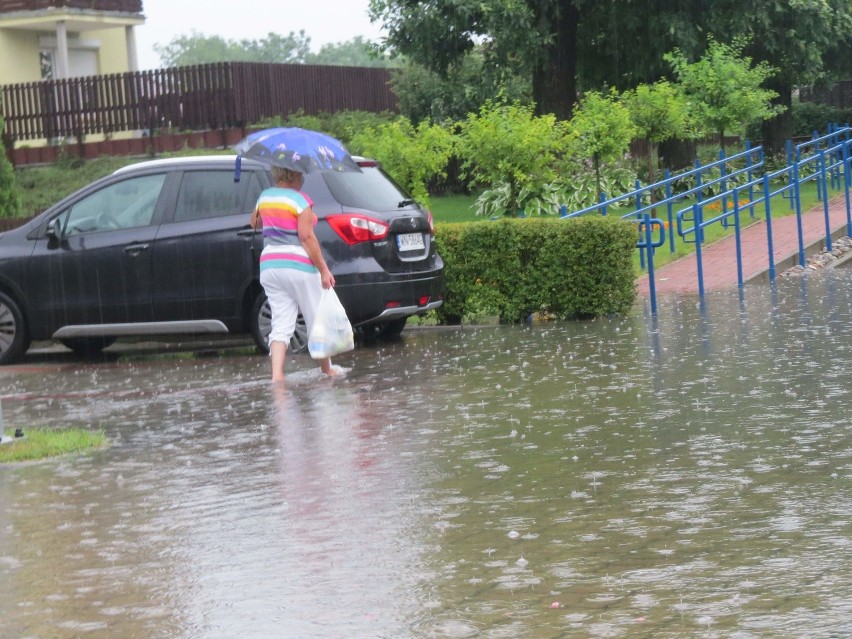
(136, 248)
(246, 232)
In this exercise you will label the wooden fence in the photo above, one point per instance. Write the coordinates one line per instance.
(203, 97)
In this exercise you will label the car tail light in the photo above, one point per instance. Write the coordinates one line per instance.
(431, 221)
(357, 228)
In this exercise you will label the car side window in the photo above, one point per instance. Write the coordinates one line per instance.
(205, 194)
(254, 189)
(122, 205)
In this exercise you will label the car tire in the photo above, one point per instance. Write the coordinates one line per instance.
(87, 346)
(261, 325)
(14, 338)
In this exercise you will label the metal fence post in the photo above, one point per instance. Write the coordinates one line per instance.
(797, 196)
(652, 285)
(768, 207)
(696, 213)
(822, 179)
(669, 211)
(845, 154)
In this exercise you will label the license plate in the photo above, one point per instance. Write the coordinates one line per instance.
(410, 242)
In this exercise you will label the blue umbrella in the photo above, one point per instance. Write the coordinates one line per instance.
(297, 149)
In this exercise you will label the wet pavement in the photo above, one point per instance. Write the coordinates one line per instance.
(685, 475)
(719, 259)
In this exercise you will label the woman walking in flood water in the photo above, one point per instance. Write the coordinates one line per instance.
(293, 271)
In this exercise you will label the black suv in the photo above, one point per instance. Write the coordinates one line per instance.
(164, 248)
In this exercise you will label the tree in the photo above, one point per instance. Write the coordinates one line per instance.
(602, 129)
(805, 41)
(660, 112)
(356, 52)
(196, 48)
(425, 95)
(724, 87)
(622, 43)
(533, 38)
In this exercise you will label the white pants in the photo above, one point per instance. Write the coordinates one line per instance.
(290, 291)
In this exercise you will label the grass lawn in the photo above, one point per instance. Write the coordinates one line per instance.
(455, 208)
(40, 444)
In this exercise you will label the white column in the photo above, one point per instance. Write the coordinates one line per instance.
(132, 58)
(61, 50)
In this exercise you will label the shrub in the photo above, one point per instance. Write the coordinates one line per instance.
(511, 268)
(411, 155)
(10, 200)
(510, 144)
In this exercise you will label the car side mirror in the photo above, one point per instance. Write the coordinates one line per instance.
(54, 229)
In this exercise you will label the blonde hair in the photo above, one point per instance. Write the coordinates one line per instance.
(280, 174)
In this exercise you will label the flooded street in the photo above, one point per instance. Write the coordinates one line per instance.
(689, 476)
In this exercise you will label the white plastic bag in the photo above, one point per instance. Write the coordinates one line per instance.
(332, 332)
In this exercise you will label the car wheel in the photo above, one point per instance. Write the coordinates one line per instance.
(386, 331)
(87, 346)
(299, 341)
(261, 326)
(14, 340)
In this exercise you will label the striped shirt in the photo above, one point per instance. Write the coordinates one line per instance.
(279, 208)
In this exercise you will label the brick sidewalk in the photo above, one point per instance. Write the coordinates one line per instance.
(720, 261)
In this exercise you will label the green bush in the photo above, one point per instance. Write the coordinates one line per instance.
(509, 269)
(10, 200)
(509, 144)
(809, 117)
(411, 155)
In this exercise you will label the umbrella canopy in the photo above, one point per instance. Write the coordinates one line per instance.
(297, 149)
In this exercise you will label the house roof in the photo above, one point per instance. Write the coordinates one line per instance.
(78, 15)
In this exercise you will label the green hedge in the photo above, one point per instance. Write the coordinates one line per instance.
(575, 268)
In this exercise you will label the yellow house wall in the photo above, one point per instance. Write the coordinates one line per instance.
(19, 53)
(19, 61)
(19, 56)
(112, 57)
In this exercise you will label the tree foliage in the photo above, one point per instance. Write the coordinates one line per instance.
(725, 87)
(425, 94)
(660, 112)
(356, 52)
(411, 155)
(530, 38)
(294, 48)
(601, 129)
(197, 48)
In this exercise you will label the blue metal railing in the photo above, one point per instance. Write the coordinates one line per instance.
(825, 160)
(678, 188)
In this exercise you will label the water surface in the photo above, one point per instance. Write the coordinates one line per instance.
(685, 475)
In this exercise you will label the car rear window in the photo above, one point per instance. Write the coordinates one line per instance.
(371, 189)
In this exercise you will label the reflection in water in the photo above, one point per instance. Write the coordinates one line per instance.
(680, 475)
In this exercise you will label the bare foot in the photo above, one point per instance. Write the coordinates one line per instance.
(327, 368)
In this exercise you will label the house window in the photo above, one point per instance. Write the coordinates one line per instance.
(46, 59)
(82, 57)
